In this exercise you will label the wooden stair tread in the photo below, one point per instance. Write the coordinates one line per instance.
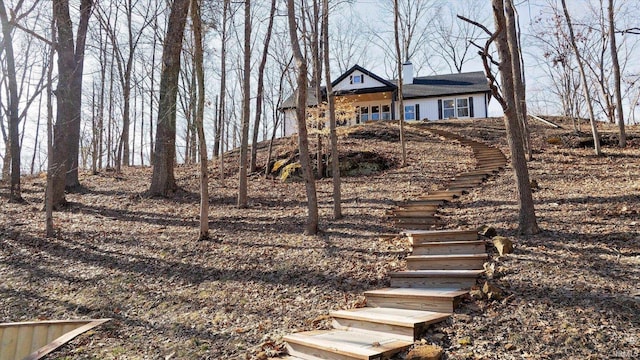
(436, 233)
(448, 293)
(449, 243)
(427, 273)
(392, 316)
(353, 344)
(448, 256)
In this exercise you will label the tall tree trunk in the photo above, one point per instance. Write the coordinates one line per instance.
(260, 94)
(72, 181)
(518, 81)
(317, 78)
(396, 20)
(527, 223)
(218, 143)
(163, 182)
(14, 119)
(246, 111)
(301, 116)
(583, 76)
(199, 120)
(48, 201)
(616, 77)
(66, 137)
(335, 156)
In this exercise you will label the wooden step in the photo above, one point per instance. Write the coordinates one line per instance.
(420, 205)
(344, 345)
(413, 214)
(432, 220)
(487, 173)
(443, 197)
(415, 227)
(441, 300)
(449, 248)
(405, 324)
(417, 202)
(416, 207)
(465, 182)
(471, 177)
(446, 262)
(461, 279)
(419, 237)
(463, 190)
(455, 194)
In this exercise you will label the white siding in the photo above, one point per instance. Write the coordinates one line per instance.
(368, 82)
(429, 106)
(290, 122)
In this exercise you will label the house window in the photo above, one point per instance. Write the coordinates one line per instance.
(463, 107)
(448, 108)
(386, 112)
(375, 112)
(356, 79)
(364, 114)
(410, 112)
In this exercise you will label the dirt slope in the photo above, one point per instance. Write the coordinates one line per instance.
(570, 292)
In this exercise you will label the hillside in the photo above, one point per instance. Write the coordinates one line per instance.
(569, 292)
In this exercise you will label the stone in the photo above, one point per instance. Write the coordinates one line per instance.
(492, 292)
(425, 352)
(487, 231)
(503, 245)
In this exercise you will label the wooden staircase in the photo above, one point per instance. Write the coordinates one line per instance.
(442, 266)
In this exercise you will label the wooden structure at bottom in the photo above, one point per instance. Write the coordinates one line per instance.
(33, 340)
(440, 270)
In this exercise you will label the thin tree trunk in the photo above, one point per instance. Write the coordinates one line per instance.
(301, 115)
(583, 76)
(527, 223)
(335, 156)
(246, 113)
(48, 201)
(199, 120)
(218, 143)
(616, 77)
(14, 133)
(260, 94)
(516, 63)
(396, 20)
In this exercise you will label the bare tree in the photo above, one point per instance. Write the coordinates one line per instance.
(66, 138)
(585, 83)
(246, 103)
(398, 57)
(301, 109)
(163, 180)
(616, 76)
(453, 38)
(199, 69)
(260, 93)
(335, 156)
(504, 42)
(14, 136)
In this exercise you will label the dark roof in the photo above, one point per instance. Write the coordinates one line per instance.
(451, 84)
(422, 87)
(290, 102)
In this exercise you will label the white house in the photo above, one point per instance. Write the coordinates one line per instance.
(463, 95)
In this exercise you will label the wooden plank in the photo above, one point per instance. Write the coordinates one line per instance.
(418, 237)
(24, 342)
(426, 299)
(65, 337)
(446, 262)
(434, 278)
(449, 247)
(9, 343)
(432, 220)
(341, 344)
(546, 121)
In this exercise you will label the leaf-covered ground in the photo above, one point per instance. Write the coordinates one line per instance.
(570, 292)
